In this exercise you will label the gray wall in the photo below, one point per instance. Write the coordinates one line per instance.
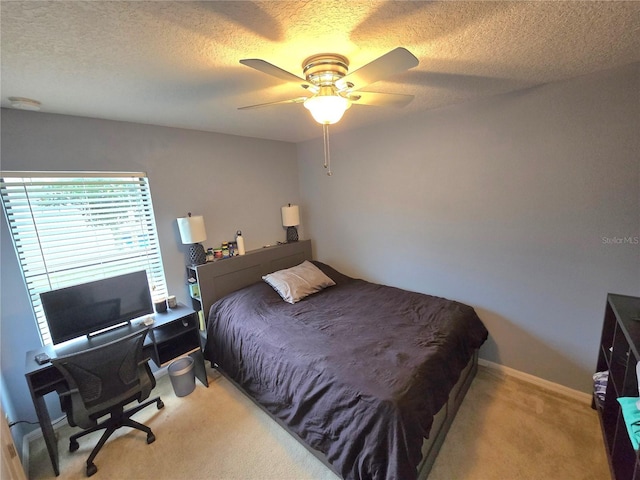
(505, 204)
(235, 182)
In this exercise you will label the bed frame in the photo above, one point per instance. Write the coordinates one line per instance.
(217, 279)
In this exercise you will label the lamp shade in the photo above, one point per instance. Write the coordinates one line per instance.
(290, 215)
(192, 229)
(326, 109)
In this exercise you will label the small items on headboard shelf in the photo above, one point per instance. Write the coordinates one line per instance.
(214, 280)
(228, 249)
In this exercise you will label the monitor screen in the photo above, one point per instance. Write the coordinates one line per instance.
(90, 307)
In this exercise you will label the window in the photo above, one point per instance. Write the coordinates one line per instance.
(73, 227)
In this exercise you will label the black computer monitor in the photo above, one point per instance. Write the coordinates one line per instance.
(95, 306)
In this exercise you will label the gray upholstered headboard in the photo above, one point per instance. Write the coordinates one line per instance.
(217, 279)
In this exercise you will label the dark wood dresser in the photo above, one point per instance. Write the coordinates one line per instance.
(619, 347)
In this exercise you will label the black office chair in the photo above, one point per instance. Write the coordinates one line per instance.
(102, 380)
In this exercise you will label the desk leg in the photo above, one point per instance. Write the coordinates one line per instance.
(47, 431)
(201, 372)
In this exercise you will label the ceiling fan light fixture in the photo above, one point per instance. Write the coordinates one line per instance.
(327, 109)
(334, 89)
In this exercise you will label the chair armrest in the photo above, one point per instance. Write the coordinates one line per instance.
(77, 413)
(67, 393)
(147, 379)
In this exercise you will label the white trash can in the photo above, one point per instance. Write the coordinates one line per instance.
(183, 376)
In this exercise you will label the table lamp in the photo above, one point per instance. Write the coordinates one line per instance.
(291, 219)
(192, 232)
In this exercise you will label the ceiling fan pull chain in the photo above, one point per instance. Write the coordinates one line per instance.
(327, 156)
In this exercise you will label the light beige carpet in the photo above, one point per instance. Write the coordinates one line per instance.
(505, 429)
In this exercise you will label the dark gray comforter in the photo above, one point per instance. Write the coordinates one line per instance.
(357, 370)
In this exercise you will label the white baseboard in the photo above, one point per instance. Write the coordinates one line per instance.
(35, 435)
(540, 382)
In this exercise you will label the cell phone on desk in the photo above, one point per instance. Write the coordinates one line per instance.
(42, 358)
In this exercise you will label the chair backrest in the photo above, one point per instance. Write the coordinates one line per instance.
(105, 377)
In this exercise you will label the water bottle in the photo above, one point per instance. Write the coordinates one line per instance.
(240, 242)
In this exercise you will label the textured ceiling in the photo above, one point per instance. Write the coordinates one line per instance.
(176, 63)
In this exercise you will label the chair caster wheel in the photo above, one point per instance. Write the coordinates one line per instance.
(160, 404)
(91, 469)
(151, 438)
(73, 445)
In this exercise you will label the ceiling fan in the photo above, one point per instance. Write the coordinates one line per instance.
(333, 89)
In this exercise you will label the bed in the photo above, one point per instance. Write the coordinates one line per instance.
(367, 376)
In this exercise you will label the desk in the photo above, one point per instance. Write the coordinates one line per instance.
(174, 333)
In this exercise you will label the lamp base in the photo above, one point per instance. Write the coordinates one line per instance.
(292, 234)
(197, 255)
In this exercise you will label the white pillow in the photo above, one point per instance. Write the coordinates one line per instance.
(295, 283)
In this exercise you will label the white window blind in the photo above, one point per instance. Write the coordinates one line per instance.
(71, 227)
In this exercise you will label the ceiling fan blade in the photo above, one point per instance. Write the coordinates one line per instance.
(281, 102)
(395, 61)
(380, 99)
(270, 69)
